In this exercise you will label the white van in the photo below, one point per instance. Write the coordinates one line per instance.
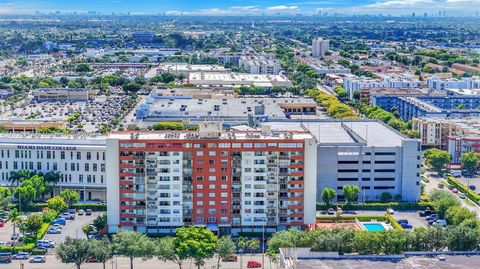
(440, 223)
(45, 244)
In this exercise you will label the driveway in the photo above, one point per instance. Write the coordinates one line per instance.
(433, 185)
(73, 229)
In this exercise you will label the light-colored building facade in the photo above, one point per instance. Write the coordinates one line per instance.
(368, 154)
(442, 84)
(260, 64)
(320, 47)
(79, 160)
(356, 84)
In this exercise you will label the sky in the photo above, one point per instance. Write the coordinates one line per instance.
(243, 7)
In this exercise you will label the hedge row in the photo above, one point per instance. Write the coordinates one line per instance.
(462, 188)
(39, 206)
(378, 206)
(25, 248)
(393, 222)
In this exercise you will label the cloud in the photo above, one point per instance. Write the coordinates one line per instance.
(399, 3)
(282, 8)
(245, 8)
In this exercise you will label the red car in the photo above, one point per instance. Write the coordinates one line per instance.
(231, 258)
(2, 224)
(253, 264)
(91, 259)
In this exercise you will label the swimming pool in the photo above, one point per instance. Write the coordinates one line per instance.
(373, 227)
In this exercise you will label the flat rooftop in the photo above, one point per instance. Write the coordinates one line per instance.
(451, 262)
(327, 132)
(238, 107)
(231, 135)
(237, 79)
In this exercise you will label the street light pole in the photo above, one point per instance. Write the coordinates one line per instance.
(263, 246)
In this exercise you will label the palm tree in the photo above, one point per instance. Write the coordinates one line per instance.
(253, 244)
(14, 217)
(242, 244)
(52, 178)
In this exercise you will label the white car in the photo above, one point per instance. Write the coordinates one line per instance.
(390, 211)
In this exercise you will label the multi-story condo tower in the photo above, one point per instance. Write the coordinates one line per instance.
(229, 181)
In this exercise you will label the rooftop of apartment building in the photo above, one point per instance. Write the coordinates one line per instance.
(183, 67)
(348, 132)
(421, 104)
(237, 78)
(469, 125)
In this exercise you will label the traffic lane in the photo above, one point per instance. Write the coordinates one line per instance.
(72, 229)
(124, 263)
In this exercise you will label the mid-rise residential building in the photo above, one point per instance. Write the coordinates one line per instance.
(230, 181)
(435, 132)
(458, 145)
(409, 107)
(320, 47)
(442, 84)
(79, 160)
(260, 64)
(356, 84)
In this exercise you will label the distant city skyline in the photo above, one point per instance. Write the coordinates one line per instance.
(244, 7)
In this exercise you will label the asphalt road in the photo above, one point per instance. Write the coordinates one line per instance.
(433, 185)
(124, 263)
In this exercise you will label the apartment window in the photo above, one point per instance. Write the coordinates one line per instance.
(80, 178)
(384, 153)
(79, 155)
(199, 178)
(224, 186)
(200, 186)
(211, 161)
(199, 194)
(211, 195)
(212, 153)
(224, 195)
(199, 202)
(224, 178)
(211, 186)
(87, 167)
(385, 170)
(62, 155)
(212, 178)
(199, 153)
(94, 167)
(89, 156)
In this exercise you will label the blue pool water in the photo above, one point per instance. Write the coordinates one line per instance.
(373, 227)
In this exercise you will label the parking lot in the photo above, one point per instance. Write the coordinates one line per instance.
(92, 113)
(73, 228)
(471, 181)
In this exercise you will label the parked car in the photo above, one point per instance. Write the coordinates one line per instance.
(462, 196)
(451, 187)
(88, 212)
(68, 215)
(231, 258)
(38, 259)
(53, 230)
(45, 244)
(91, 259)
(61, 221)
(390, 211)
(406, 226)
(81, 212)
(427, 212)
(71, 210)
(440, 185)
(2, 223)
(253, 264)
(472, 187)
(5, 257)
(440, 223)
(21, 256)
(402, 221)
(455, 190)
(331, 211)
(14, 236)
(433, 216)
